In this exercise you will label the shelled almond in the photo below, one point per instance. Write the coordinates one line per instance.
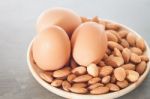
(123, 64)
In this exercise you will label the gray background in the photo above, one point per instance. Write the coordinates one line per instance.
(17, 28)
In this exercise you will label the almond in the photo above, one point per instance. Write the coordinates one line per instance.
(126, 54)
(79, 85)
(111, 36)
(108, 51)
(122, 84)
(101, 63)
(114, 61)
(132, 76)
(124, 43)
(47, 76)
(57, 83)
(113, 45)
(113, 79)
(84, 19)
(73, 64)
(106, 79)
(71, 77)
(82, 78)
(140, 68)
(111, 26)
(105, 57)
(95, 19)
(80, 90)
(79, 70)
(123, 33)
(105, 71)
(129, 66)
(140, 44)
(117, 52)
(113, 87)
(93, 70)
(61, 73)
(116, 34)
(120, 74)
(131, 39)
(100, 90)
(66, 85)
(136, 50)
(135, 58)
(144, 58)
(94, 80)
(93, 86)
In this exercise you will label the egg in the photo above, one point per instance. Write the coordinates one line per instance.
(51, 48)
(89, 43)
(65, 18)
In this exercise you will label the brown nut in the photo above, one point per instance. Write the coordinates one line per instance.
(94, 80)
(79, 85)
(113, 45)
(79, 90)
(126, 54)
(144, 58)
(129, 66)
(112, 87)
(136, 50)
(140, 44)
(106, 79)
(111, 36)
(135, 58)
(79, 70)
(140, 68)
(57, 83)
(131, 39)
(123, 33)
(61, 73)
(82, 78)
(124, 43)
(47, 76)
(66, 85)
(95, 19)
(122, 84)
(71, 77)
(120, 74)
(112, 26)
(132, 76)
(100, 90)
(105, 71)
(117, 52)
(93, 86)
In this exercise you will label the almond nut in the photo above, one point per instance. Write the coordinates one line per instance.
(131, 39)
(113, 87)
(95, 19)
(140, 44)
(106, 79)
(101, 63)
(71, 77)
(84, 19)
(93, 86)
(93, 70)
(111, 36)
(111, 26)
(61, 73)
(136, 50)
(120, 74)
(135, 58)
(132, 76)
(113, 45)
(47, 76)
(122, 84)
(79, 85)
(114, 61)
(117, 52)
(57, 83)
(80, 90)
(66, 85)
(113, 79)
(128, 66)
(124, 43)
(79, 70)
(100, 90)
(140, 68)
(105, 71)
(82, 78)
(126, 55)
(123, 33)
(94, 80)
(144, 58)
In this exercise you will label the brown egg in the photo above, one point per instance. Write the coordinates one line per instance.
(65, 18)
(89, 43)
(51, 48)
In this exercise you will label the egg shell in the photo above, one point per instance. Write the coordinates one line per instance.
(89, 43)
(65, 18)
(51, 48)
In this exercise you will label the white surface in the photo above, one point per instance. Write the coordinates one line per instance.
(17, 28)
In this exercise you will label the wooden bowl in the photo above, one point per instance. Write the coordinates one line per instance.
(35, 70)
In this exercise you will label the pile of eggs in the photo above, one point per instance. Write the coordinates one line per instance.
(62, 35)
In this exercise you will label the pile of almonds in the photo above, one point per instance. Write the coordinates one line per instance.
(124, 62)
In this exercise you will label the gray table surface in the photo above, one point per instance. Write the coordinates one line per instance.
(17, 28)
